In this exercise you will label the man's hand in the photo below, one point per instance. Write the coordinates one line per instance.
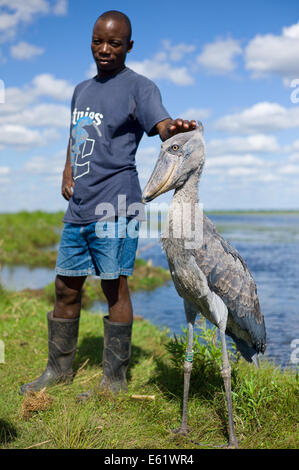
(169, 127)
(67, 184)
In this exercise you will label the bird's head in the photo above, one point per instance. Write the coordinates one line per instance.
(180, 156)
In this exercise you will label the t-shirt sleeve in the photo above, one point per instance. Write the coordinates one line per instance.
(149, 110)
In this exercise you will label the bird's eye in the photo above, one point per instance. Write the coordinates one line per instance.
(175, 147)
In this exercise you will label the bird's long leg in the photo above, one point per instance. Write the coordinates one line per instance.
(190, 316)
(226, 375)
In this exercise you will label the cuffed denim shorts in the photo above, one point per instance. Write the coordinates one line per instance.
(106, 249)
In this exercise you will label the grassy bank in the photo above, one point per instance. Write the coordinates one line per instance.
(265, 401)
(31, 238)
(254, 212)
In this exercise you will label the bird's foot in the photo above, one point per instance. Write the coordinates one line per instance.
(229, 445)
(233, 444)
(183, 430)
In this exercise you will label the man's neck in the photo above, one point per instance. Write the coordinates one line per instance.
(103, 74)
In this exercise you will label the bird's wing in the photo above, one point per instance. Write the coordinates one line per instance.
(229, 277)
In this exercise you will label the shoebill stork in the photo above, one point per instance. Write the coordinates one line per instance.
(208, 273)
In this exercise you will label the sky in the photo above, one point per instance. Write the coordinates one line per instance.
(232, 65)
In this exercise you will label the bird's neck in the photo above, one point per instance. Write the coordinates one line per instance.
(188, 192)
(184, 207)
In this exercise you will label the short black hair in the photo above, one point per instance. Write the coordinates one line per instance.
(118, 15)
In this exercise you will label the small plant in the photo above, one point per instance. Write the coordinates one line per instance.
(207, 349)
(250, 398)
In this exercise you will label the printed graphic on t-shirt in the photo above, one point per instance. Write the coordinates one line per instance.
(81, 145)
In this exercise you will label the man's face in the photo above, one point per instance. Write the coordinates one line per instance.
(110, 45)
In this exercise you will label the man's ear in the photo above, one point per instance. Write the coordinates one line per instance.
(130, 46)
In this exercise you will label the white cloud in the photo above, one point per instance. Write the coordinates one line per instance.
(145, 159)
(17, 99)
(54, 115)
(16, 12)
(22, 113)
(154, 69)
(234, 160)
(289, 170)
(4, 170)
(48, 85)
(241, 171)
(273, 54)
(254, 143)
(60, 8)
(196, 113)
(294, 157)
(20, 137)
(295, 146)
(92, 71)
(218, 57)
(177, 52)
(261, 117)
(25, 51)
(40, 165)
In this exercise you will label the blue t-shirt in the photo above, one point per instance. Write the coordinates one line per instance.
(109, 117)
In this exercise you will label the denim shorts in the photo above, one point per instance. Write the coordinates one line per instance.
(106, 248)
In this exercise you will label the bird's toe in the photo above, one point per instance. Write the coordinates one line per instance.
(183, 430)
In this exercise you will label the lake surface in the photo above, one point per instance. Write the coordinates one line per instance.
(270, 246)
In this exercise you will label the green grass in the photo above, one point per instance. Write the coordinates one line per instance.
(265, 401)
(29, 238)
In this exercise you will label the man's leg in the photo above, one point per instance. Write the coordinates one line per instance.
(63, 328)
(118, 297)
(68, 296)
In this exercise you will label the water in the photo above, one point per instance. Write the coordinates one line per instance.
(270, 246)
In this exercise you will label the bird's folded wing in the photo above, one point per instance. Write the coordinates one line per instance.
(229, 277)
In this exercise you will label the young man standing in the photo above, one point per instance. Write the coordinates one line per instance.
(110, 113)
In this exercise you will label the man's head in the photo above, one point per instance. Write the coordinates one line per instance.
(111, 41)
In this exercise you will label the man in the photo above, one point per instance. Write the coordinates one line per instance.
(110, 112)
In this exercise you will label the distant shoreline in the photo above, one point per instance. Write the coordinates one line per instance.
(209, 212)
(254, 212)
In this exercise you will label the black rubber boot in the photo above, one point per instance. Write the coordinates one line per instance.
(116, 356)
(62, 345)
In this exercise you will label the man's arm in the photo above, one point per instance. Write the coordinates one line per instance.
(67, 177)
(169, 127)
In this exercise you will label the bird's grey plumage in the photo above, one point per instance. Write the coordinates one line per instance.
(229, 277)
(211, 276)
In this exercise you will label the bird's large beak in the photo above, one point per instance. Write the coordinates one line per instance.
(162, 177)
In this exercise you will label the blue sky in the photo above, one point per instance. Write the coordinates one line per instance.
(230, 64)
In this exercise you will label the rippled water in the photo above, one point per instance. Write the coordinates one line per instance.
(270, 246)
